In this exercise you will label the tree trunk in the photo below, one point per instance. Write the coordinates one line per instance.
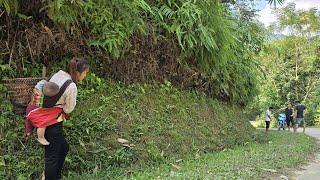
(296, 84)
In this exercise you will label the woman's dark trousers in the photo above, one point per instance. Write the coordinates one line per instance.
(55, 152)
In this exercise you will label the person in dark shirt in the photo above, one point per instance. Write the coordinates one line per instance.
(289, 116)
(268, 118)
(299, 119)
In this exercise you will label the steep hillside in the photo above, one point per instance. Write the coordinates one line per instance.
(159, 121)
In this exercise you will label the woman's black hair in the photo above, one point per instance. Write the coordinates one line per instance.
(77, 65)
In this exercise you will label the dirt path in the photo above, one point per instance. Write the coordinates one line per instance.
(312, 170)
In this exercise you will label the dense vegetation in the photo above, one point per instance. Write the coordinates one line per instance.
(171, 76)
(206, 45)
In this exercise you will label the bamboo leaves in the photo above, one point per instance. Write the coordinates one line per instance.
(275, 2)
(64, 12)
(167, 11)
(207, 35)
(10, 6)
(113, 23)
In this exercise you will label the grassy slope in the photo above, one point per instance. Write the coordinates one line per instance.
(161, 122)
(254, 161)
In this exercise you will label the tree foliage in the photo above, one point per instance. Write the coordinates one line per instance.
(291, 63)
(298, 22)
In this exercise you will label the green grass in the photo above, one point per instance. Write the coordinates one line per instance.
(261, 123)
(251, 161)
(162, 123)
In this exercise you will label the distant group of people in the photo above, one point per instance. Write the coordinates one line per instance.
(293, 117)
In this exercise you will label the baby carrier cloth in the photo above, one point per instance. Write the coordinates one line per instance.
(48, 114)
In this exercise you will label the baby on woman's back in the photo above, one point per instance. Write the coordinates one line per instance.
(43, 89)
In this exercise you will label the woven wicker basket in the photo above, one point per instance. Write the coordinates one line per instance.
(19, 90)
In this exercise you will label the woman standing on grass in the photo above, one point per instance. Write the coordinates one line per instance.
(57, 150)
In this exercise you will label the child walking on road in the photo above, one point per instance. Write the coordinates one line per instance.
(268, 118)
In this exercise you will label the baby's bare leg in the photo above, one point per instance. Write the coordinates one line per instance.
(41, 139)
